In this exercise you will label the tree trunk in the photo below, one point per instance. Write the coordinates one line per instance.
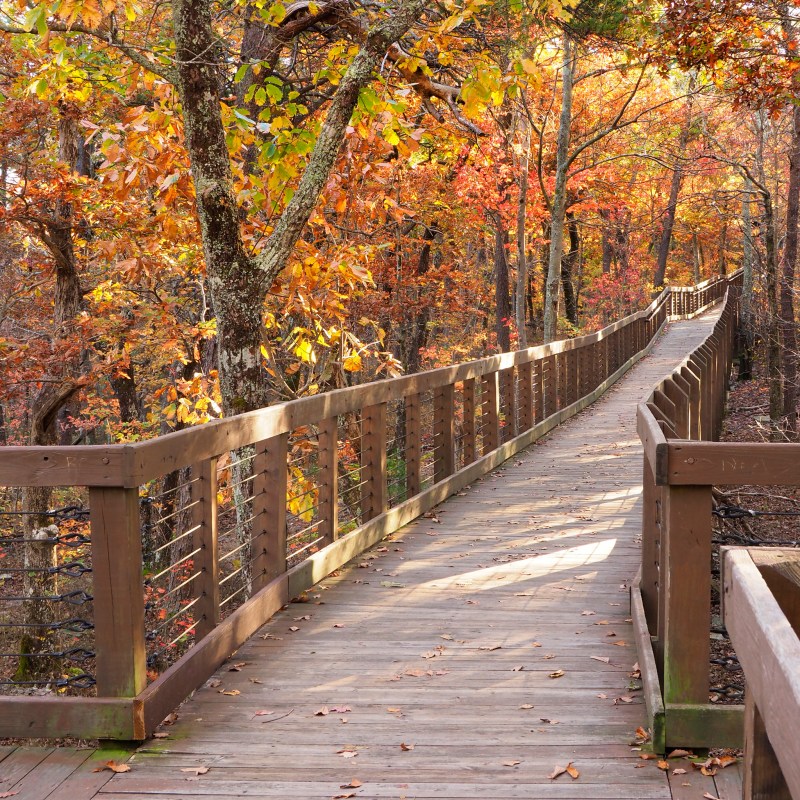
(788, 329)
(559, 200)
(569, 262)
(522, 264)
(746, 321)
(672, 204)
(502, 301)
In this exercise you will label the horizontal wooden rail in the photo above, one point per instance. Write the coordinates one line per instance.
(199, 536)
(762, 613)
(677, 426)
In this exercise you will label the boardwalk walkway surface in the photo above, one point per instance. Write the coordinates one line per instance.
(465, 657)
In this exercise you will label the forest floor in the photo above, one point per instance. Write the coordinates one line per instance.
(748, 515)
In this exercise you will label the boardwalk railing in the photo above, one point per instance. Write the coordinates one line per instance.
(193, 540)
(672, 600)
(762, 614)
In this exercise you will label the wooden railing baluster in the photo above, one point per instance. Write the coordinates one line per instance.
(204, 539)
(374, 498)
(444, 433)
(269, 509)
(470, 429)
(413, 452)
(490, 412)
(328, 482)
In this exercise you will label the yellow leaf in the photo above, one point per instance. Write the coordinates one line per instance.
(352, 363)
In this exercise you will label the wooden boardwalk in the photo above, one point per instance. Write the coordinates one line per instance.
(467, 656)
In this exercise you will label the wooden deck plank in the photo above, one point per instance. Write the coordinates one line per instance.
(19, 763)
(41, 782)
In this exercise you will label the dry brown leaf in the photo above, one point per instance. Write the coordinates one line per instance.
(416, 673)
(626, 698)
(294, 628)
(679, 771)
(536, 644)
(161, 735)
(648, 756)
(446, 636)
(338, 625)
(726, 761)
(603, 696)
(587, 613)
(406, 747)
(642, 735)
(8, 794)
(344, 796)
(559, 673)
(572, 772)
(620, 644)
(511, 763)
(429, 654)
(195, 770)
(230, 692)
(354, 784)
(340, 709)
(519, 668)
(347, 753)
(662, 764)
(394, 710)
(556, 772)
(114, 767)
(238, 667)
(548, 656)
(264, 713)
(526, 706)
(322, 712)
(679, 754)
(604, 659)
(709, 773)
(491, 647)
(709, 796)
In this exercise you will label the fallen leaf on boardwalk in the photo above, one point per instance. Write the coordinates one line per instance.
(602, 622)
(620, 644)
(549, 721)
(417, 673)
(519, 668)
(548, 656)
(556, 772)
(170, 719)
(709, 773)
(679, 754)
(305, 616)
(354, 784)
(322, 712)
(238, 667)
(648, 756)
(611, 633)
(393, 584)
(662, 764)
(587, 613)
(709, 796)
(559, 673)
(394, 710)
(294, 629)
(472, 603)
(572, 772)
(626, 698)
(642, 736)
(491, 647)
(344, 796)
(679, 771)
(726, 761)
(347, 753)
(363, 565)
(338, 625)
(340, 709)
(536, 644)
(114, 767)
(429, 654)
(603, 696)
(8, 794)
(264, 713)
(255, 680)
(406, 747)
(195, 770)
(526, 706)
(604, 659)
(446, 636)
(230, 692)
(511, 763)
(161, 735)
(213, 683)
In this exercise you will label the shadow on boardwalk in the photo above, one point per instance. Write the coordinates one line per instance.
(464, 657)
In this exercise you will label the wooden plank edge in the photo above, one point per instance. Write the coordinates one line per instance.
(174, 685)
(651, 687)
(769, 652)
(81, 717)
(694, 725)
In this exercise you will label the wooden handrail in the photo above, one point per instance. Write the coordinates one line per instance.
(762, 615)
(333, 460)
(678, 427)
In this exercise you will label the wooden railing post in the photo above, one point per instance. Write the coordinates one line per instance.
(121, 665)
(681, 404)
(328, 483)
(374, 497)
(651, 546)
(469, 427)
(204, 538)
(444, 432)
(269, 509)
(763, 778)
(413, 454)
(525, 387)
(490, 412)
(686, 582)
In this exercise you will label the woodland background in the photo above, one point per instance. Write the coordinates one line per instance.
(208, 207)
